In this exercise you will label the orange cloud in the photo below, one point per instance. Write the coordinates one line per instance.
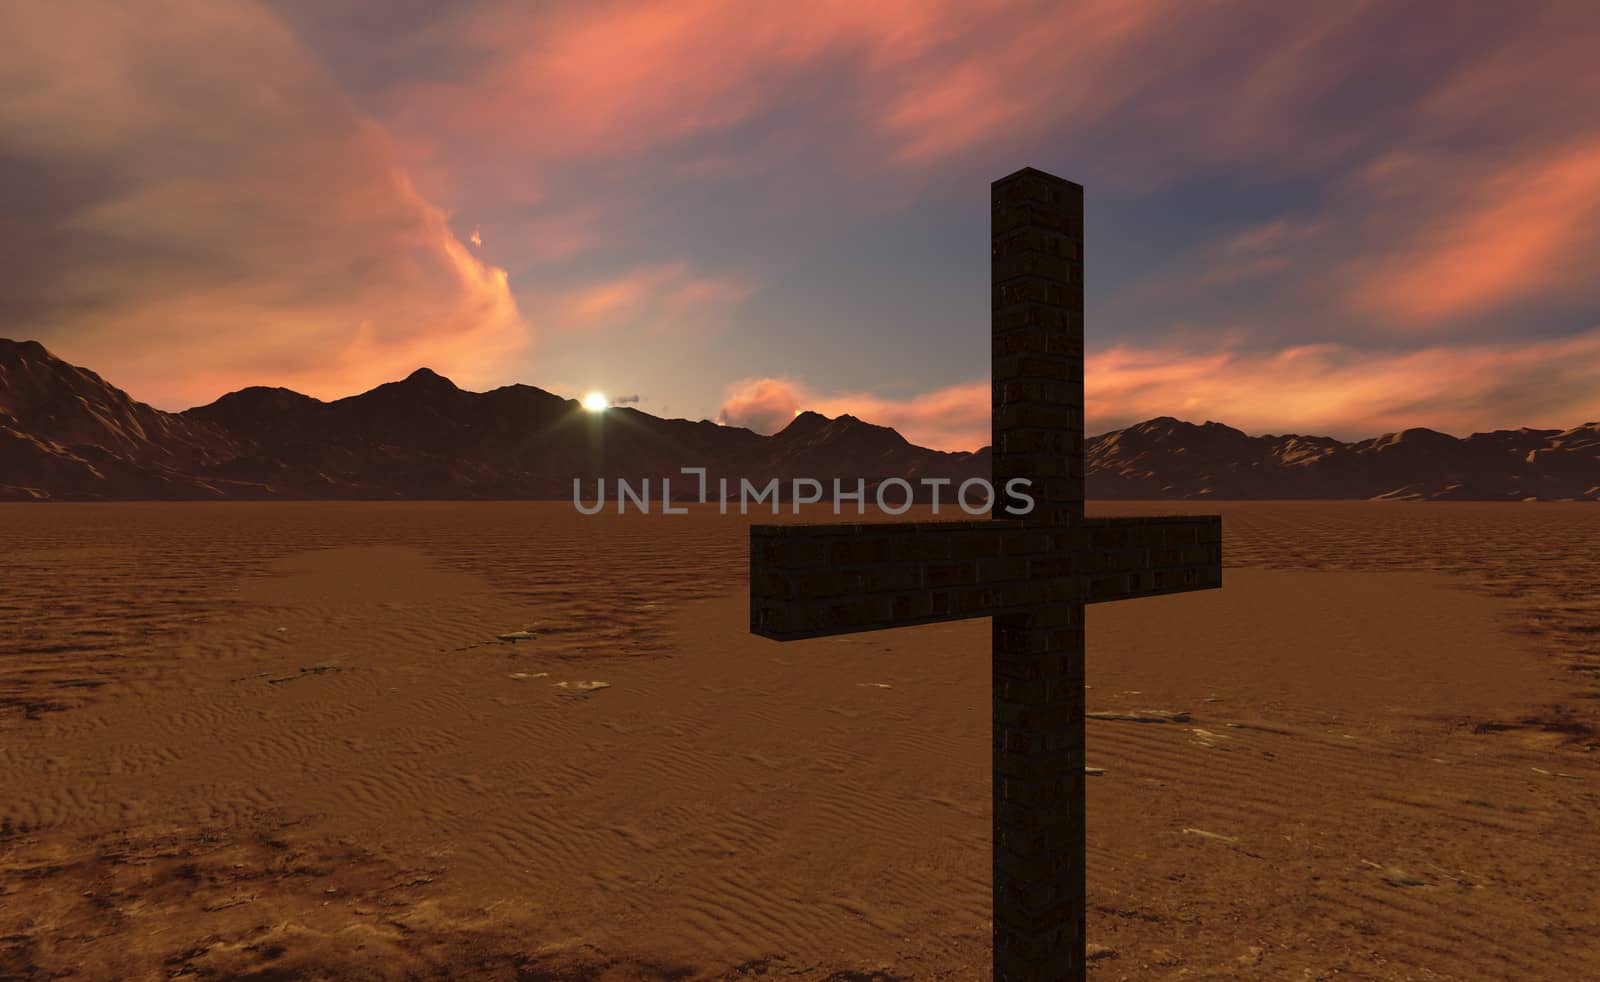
(1335, 390)
(1526, 229)
(904, 84)
(955, 417)
(244, 224)
(240, 221)
(1532, 79)
(988, 75)
(1261, 250)
(534, 95)
(559, 230)
(1470, 188)
(765, 405)
(593, 304)
(542, 97)
(660, 296)
(933, 77)
(1320, 389)
(952, 418)
(598, 79)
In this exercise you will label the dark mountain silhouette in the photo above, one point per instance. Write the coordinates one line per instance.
(1169, 458)
(65, 431)
(67, 434)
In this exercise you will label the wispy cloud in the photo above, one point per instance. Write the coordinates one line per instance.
(233, 221)
(668, 296)
(1321, 389)
(952, 418)
(1351, 191)
(1484, 239)
(914, 83)
(1347, 392)
(765, 405)
(554, 83)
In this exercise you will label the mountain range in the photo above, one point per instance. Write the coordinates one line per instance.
(67, 434)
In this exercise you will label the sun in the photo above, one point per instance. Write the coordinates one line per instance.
(595, 401)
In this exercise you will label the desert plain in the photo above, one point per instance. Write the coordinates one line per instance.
(358, 740)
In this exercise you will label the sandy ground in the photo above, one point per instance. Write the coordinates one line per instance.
(283, 741)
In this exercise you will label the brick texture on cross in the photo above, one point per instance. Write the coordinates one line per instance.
(1032, 574)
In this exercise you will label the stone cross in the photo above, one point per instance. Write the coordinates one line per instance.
(1033, 574)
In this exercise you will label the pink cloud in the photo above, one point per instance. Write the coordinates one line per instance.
(1485, 194)
(1268, 237)
(1331, 389)
(1266, 249)
(987, 76)
(595, 80)
(1531, 79)
(935, 77)
(536, 94)
(254, 228)
(1321, 389)
(269, 232)
(952, 418)
(765, 405)
(955, 417)
(534, 87)
(599, 302)
(667, 296)
(542, 100)
(555, 231)
(1528, 227)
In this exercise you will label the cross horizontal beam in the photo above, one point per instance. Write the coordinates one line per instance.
(810, 581)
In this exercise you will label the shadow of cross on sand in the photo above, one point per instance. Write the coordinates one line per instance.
(1032, 574)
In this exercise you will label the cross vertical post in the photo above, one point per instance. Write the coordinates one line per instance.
(1036, 271)
(1032, 574)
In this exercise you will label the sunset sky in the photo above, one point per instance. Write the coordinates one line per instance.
(1333, 218)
